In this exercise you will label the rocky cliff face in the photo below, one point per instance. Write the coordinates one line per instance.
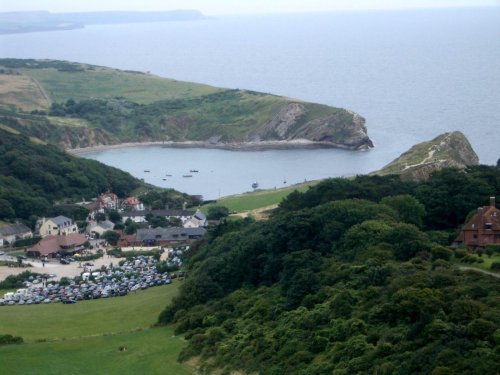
(341, 128)
(449, 150)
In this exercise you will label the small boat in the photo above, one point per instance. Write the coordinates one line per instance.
(164, 179)
(187, 175)
(169, 175)
(147, 171)
(193, 170)
(255, 185)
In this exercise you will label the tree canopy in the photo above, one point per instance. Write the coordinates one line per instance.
(345, 278)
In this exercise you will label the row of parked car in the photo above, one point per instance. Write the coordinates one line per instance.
(140, 273)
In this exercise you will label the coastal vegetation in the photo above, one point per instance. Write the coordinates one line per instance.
(79, 105)
(448, 150)
(349, 277)
(34, 176)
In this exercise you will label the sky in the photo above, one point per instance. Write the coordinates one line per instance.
(220, 7)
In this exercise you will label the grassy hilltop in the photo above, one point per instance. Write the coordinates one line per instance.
(81, 105)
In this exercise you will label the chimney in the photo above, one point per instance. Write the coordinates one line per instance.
(492, 202)
(184, 206)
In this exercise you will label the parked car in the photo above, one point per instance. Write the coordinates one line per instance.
(64, 261)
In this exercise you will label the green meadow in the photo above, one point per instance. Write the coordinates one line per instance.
(106, 336)
(257, 199)
(97, 82)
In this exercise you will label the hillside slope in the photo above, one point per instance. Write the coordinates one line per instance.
(34, 175)
(81, 105)
(448, 150)
(350, 277)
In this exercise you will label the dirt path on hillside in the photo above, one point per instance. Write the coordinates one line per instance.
(259, 213)
(465, 268)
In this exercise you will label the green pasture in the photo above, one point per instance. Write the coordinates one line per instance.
(86, 318)
(151, 351)
(86, 337)
(257, 199)
(97, 82)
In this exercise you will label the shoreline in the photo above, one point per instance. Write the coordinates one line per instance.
(235, 146)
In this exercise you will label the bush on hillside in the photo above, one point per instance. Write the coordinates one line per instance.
(9, 340)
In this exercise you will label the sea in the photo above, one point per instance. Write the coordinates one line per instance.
(412, 74)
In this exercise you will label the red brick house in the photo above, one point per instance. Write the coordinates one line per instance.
(483, 228)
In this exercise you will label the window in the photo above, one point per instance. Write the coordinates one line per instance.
(475, 236)
(487, 226)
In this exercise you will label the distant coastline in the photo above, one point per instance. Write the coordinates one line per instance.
(235, 146)
(39, 21)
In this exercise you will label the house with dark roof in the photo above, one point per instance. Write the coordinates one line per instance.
(51, 245)
(197, 220)
(58, 225)
(482, 229)
(12, 232)
(99, 227)
(166, 236)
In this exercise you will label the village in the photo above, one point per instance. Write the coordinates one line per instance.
(62, 247)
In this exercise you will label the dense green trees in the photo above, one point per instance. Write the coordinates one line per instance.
(33, 176)
(217, 212)
(350, 284)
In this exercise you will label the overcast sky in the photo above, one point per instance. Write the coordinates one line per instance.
(215, 7)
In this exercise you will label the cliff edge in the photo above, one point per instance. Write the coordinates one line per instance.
(448, 150)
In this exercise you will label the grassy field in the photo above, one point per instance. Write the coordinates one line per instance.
(20, 91)
(86, 337)
(100, 82)
(258, 199)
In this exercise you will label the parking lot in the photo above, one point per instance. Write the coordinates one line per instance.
(64, 270)
(137, 273)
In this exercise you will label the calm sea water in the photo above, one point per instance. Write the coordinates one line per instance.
(411, 74)
(222, 172)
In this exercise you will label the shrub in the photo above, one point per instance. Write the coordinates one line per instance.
(116, 252)
(27, 242)
(9, 340)
(16, 281)
(495, 266)
(492, 248)
(460, 253)
(441, 252)
(86, 258)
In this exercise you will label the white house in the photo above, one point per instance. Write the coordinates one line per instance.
(140, 216)
(196, 221)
